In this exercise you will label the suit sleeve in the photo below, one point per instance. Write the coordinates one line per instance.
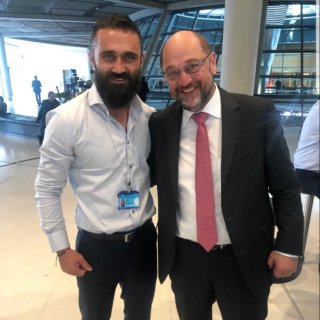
(284, 188)
(151, 158)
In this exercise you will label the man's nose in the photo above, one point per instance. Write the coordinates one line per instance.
(184, 78)
(118, 66)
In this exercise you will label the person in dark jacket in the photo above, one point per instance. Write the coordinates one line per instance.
(3, 106)
(46, 106)
(215, 157)
(143, 89)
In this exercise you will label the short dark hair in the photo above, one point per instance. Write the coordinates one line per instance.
(120, 22)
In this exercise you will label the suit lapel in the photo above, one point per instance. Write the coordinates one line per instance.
(172, 130)
(231, 125)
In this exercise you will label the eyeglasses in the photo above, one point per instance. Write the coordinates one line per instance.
(190, 68)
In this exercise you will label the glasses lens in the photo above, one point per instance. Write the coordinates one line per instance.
(193, 67)
(172, 74)
(190, 68)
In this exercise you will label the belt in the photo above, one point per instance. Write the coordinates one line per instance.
(118, 236)
(220, 247)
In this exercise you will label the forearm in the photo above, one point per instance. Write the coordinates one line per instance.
(51, 219)
(56, 158)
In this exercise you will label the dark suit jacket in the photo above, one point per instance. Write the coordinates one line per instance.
(255, 161)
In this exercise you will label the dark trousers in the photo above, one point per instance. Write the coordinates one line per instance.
(132, 265)
(199, 279)
(310, 181)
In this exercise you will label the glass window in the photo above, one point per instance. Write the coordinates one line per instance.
(293, 15)
(182, 21)
(154, 26)
(214, 38)
(287, 68)
(210, 19)
(144, 27)
(309, 39)
(290, 39)
(146, 42)
(309, 64)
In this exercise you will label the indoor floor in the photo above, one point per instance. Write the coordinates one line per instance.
(32, 287)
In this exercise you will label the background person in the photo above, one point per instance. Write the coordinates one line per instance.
(36, 85)
(306, 157)
(217, 242)
(46, 106)
(143, 89)
(3, 106)
(100, 140)
(278, 86)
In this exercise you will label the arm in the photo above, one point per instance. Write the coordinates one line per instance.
(56, 158)
(151, 158)
(285, 191)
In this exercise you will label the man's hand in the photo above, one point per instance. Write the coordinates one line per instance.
(72, 262)
(281, 265)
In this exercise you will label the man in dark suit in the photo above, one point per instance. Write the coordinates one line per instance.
(249, 160)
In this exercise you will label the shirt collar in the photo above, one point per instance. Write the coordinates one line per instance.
(94, 101)
(213, 108)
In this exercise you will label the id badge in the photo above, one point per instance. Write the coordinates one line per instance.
(128, 200)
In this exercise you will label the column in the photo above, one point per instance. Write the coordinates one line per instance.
(5, 75)
(241, 34)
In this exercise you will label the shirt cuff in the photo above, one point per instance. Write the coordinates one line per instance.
(287, 254)
(58, 240)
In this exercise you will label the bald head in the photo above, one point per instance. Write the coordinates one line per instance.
(182, 40)
(189, 65)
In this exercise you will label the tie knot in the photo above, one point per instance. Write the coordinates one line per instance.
(199, 117)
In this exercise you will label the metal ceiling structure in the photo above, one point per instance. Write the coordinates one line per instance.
(69, 22)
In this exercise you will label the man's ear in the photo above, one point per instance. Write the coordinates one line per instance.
(141, 59)
(91, 59)
(213, 63)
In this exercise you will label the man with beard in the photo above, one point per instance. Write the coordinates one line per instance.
(100, 141)
(215, 158)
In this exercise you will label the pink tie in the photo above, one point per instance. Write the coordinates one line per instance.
(206, 225)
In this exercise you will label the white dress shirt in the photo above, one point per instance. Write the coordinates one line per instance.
(186, 215)
(307, 155)
(84, 143)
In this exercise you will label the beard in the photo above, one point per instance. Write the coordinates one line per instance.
(198, 102)
(115, 95)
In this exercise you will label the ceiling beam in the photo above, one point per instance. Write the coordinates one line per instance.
(46, 17)
(144, 14)
(141, 4)
(46, 34)
(190, 4)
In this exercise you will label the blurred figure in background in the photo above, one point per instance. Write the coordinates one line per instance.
(306, 157)
(46, 106)
(143, 89)
(3, 106)
(36, 85)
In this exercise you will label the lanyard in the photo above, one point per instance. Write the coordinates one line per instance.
(128, 176)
